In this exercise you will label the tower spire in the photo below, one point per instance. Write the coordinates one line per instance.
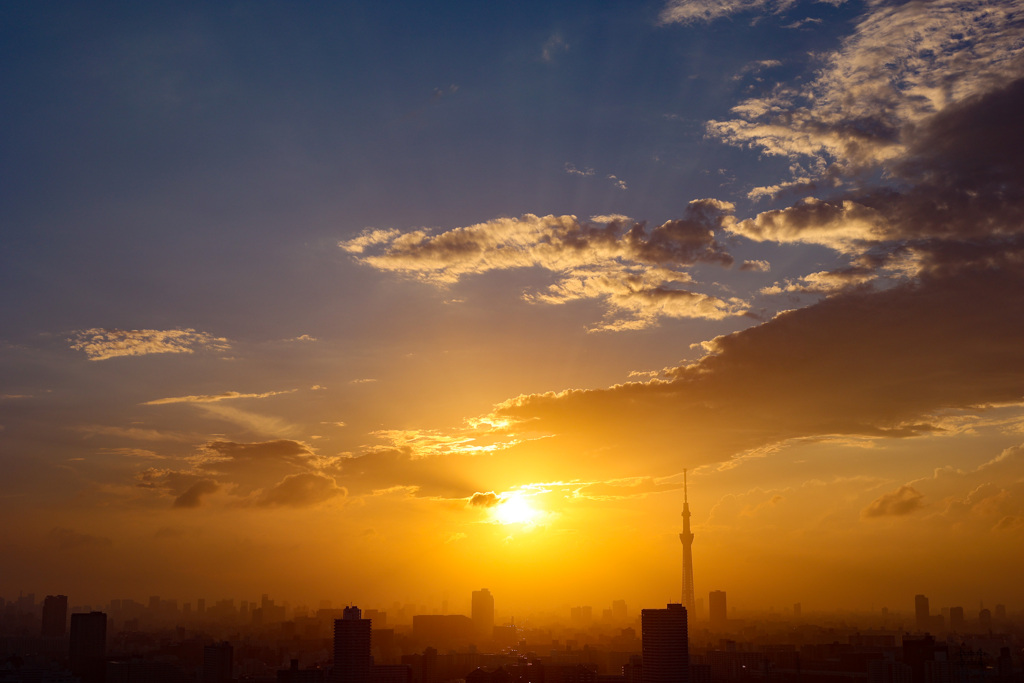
(687, 539)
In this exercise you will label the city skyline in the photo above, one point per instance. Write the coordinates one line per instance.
(318, 300)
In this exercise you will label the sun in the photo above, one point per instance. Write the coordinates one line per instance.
(515, 509)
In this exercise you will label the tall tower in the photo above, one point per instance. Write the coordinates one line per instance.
(687, 538)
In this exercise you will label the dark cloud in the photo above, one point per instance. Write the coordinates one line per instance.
(301, 490)
(902, 501)
(865, 362)
(230, 455)
(484, 500)
(192, 498)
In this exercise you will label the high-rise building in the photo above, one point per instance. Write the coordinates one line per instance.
(55, 616)
(619, 610)
(665, 645)
(957, 622)
(922, 613)
(352, 642)
(483, 612)
(687, 538)
(716, 607)
(218, 663)
(87, 647)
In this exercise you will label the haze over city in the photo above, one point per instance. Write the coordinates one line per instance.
(381, 302)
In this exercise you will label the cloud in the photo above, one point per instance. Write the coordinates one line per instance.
(756, 67)
(756, 266)
(134, 433)
(484, 500)
(822, 282)
(572, 170)
(213, 398)
(368, 238)
(192, 497)
(875, 363)
(224, 456)
(702, 11)
(903, 64)
(134, 453)
(618, 183)
(262, 473)
(637, 272)
(301, 490)
(103, 344)
(263, 425)
(902, 501)
(554, 45)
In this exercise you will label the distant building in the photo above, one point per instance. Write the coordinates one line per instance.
(957, 622)
(293, 674)
(985, 620)
(581, 616)
(218, 663)
(55, 616)
(443, 631)
(483, 611)
(619, 611)
(719, 617)
(922, 613)
(665, 645)
(352, 646)
(87, 647)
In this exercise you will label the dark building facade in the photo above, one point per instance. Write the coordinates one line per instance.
(665, 645)
(55, 616)
(483, 611)
(88, 646)
(352, 644)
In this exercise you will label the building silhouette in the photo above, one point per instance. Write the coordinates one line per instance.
(218, 663)
(483, 612)
(687, 539)
(352, 643)
(55, 616)
(922, 613)
(87, 647)
(665, 645)
(716, 608)
(957, 621)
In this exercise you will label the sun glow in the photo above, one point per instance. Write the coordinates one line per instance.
(515, 509)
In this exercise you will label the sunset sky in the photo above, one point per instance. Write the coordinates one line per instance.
(377, 301)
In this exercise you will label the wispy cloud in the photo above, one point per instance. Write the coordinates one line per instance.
(701, 11)
(553, 46)
(214, 398)
(103, 344)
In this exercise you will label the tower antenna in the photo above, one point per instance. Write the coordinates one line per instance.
(687, 539)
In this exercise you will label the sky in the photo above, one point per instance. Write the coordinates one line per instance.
(380, 302)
